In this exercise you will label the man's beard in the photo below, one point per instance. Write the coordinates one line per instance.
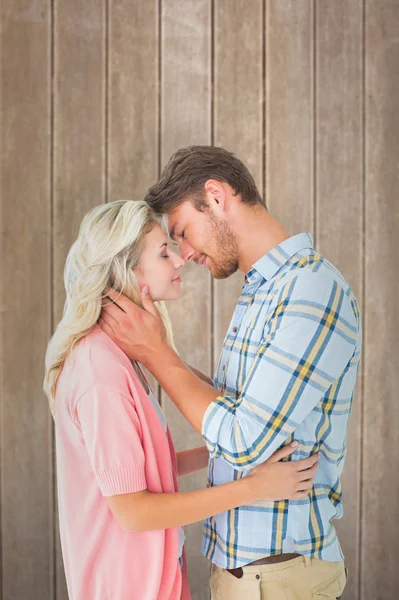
(226, 261)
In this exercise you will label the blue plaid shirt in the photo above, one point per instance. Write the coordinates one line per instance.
(287, 371)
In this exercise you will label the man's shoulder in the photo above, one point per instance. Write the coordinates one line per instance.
(310, 275)
(312, 281)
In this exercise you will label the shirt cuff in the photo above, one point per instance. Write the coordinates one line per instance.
(123, 480)
(212, 421)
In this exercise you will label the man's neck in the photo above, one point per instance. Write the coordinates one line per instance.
(259, 232)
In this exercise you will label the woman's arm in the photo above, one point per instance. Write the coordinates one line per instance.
(273, 480)
(191, 460)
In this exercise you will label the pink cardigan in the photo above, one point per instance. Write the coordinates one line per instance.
(109, 440)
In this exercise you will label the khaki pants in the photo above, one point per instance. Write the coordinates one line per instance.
(301, 578)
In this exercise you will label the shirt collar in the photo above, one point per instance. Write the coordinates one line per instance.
(270, 263)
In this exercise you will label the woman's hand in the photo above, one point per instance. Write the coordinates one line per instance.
(275, 480)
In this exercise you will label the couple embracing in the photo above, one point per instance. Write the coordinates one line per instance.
(273, 420)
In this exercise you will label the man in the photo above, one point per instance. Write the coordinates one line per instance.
(287, 371)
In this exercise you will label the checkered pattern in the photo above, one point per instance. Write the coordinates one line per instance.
(287, 371)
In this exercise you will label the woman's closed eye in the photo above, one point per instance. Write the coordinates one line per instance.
(164, 253)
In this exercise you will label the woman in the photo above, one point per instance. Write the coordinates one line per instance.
(112, 441)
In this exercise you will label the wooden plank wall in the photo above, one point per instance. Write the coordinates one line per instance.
(185, 118)
(95, 97)
(380, 482)
(27, 522)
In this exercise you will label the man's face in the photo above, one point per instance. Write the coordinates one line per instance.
(204, 238)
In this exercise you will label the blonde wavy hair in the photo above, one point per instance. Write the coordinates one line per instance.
(108, 248)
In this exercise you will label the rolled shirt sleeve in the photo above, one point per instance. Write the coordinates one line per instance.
(112, 435)
(306, 346)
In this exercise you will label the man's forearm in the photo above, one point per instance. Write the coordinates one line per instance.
(200, 374)
(190, 395)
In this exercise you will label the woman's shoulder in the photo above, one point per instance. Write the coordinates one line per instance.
(109, 365)
(97, 361)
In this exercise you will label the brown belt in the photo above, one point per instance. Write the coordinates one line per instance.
(268, 560)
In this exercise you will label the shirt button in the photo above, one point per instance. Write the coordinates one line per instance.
(235, 329)
(257, 576)
(224, 367)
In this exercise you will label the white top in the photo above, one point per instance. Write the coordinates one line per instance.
(162, 418)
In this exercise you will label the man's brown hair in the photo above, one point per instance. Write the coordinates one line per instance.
(184, 177)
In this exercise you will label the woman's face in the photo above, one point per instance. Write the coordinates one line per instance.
(159, 267)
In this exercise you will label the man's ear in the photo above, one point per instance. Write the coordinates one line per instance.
(216, 194)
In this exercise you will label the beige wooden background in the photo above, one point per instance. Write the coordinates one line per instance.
(96, 95)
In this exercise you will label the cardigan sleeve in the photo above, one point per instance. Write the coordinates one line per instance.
(112, 435)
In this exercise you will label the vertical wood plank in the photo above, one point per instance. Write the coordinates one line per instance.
(289, 112)
(133, 98)
(80, 165)
(185, 120)
(79, 140)
(238, 117)
(380, 506)
(339, 205)
(26, 470)
(133, 149)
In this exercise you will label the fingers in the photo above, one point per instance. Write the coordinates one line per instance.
(119, 299)
(110, 316)
(306, 463)
(300, 496)
(106, 327)
(303, 490)
(283, 452)
(306, 486)
(106, 301)
(112, 312)
(308, 473)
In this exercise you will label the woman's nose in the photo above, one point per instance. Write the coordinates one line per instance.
(178, 261)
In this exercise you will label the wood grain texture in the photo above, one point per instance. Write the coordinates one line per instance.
(133, 98)
(185, 120)
(26, 470)
(339, 206)
(79, 140)
(380, 541)
(133, 94)
(289, 112)
(132, 85)
(238, 117)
